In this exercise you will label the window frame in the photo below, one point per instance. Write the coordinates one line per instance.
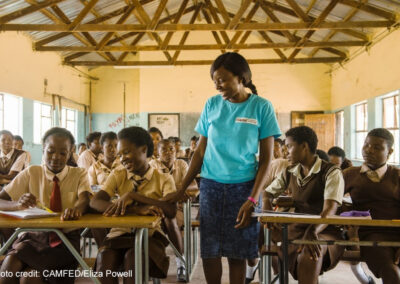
(65, 120)
(41, 116)
(341, 132)
(360, 131)
(18, 100)
(394, 159)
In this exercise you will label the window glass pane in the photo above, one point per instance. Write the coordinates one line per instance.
(46, 125)
(360, 137)
(36, 122)
(394, 158)
(1, 120)
(63, 117)
(340, 129)
(1, 101)
(70, 114)
(389, 112)
(46, 110)
(12, 114)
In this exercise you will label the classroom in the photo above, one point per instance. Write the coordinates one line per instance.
(244, 141)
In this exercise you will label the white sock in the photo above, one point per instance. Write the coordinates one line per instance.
(250, 270)
(179, 262)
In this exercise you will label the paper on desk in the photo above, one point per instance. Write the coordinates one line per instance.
(267, 213)
(29, 213)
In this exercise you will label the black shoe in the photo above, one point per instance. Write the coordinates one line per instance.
(181, 274)
(249, 280)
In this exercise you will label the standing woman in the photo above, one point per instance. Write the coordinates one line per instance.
(233, 126)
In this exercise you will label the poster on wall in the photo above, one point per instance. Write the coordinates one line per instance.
(168, 123)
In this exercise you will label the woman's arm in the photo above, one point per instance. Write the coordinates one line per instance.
(100, 201)
(266, 152)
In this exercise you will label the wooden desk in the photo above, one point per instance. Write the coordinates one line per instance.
(54, 224)
(301, 220)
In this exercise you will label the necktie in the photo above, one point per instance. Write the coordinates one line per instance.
(56, 206)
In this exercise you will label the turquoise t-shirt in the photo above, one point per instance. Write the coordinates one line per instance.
(234, 131)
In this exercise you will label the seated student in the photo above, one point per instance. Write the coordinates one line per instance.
(375, 186)
(81, 148)
(58, 187)
(156, 136)
(284, 150)
(93, 153)
(179, 152)
(12, 161)
(278, 148)
(18, 144)
(337, 156)
(317, 188)
(136, 180)
(74, 155)
(322, 155)
(193, 145)
(167, 163)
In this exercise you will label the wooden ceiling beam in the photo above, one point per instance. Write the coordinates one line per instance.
(216, 19)
(253, 26)
(203, 62)
(175, 20)
(371, 9)
(26, 11)
(222, 10)
(235, 21)
(214, 33)
(138, 48)
(86, 9)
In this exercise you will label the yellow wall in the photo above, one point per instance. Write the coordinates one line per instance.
(22, 71)
(368, 75)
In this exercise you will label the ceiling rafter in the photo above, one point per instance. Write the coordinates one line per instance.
(371, 9)
(175, 20)
(216, 19)
(214, 33)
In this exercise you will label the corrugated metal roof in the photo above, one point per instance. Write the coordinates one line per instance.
(72, 8)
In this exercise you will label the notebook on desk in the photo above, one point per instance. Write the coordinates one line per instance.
(29, 213)
(284, 214)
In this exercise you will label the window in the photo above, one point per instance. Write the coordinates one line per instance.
(361, 128)
(68, 120)
(10, 113)
(391, 122)
(339, 120)
(42, 121)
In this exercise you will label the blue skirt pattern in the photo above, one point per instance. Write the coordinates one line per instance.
(219, 206)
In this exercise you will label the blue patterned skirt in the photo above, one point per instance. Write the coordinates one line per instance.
(219, 207)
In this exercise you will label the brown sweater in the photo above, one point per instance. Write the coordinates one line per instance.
(382, 198)
(6, 167)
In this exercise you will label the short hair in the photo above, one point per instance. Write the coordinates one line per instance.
(155, 130)
(304, 134)
(18, 138)
(60, 132)
(337, 151)
(164, 141)
(322, 155)
(2, 132)
(108, 135)
(92, 136)
(82, 144)
(177, 139)
(139, 137)
(194, 138)
(384, 134)
(279, 140)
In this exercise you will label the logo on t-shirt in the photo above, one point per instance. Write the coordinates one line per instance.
(246, 120)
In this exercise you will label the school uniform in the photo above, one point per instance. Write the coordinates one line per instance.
(181, 154)
(276, 168)
(178, 171)
(88, 158)
(324, 182)
(14, 161)
(98, 172)
(43, 250)
(153, 185)
(379, 192)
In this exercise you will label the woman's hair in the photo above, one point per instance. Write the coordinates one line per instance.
(304, 134)
(384, 134)
(60, 132)
(92, 136)
(139, 137)
(237, 65)
(337, 151)
(81, 144)
(155, 130)
(322, 155)
(18, 138)
(108, 135)
(2, 132)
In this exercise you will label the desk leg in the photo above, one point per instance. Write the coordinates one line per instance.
(285, 252)
(187, 219)
(266, 260)
(138, 256)
(146, 255)
(10, 241)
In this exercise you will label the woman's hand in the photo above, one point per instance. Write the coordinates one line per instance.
(178, 196)
(25, 201)
(314, 250)
(118, 208)
(244, 215)
(71, 214)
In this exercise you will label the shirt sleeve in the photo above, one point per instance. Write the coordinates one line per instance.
(168, 185)
(278, 186)
(92, 175)
(334, 186)
(18, 186)
(84, 161)
(84, 183)
(203, 124)
(269, 124)
(111, 186)
(19, 163)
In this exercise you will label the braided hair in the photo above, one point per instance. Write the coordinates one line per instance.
(237, 65)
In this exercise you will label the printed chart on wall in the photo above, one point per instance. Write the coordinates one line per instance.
(168, 123)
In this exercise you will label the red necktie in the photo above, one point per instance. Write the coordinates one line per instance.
(56, 206)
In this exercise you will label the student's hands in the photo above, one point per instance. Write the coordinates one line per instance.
(149, 210)
(315, 250)
(71, 214)
(244, 215)
(25, 201)
(118, 208)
